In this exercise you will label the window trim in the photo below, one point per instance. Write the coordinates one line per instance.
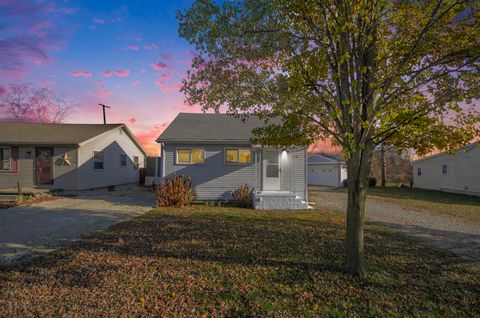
(10, 169)
(190, 149)
(103, 160)
(126, 160)
(238, 151)
(419, 171)
(445, 165)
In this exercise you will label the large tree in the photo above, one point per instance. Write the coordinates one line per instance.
(24, 102)
(367, 72)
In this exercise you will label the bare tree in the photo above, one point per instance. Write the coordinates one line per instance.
(23, 102)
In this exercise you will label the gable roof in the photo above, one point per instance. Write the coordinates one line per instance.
(55, 134)
(467, 148)
(215, 128)
(321, 157)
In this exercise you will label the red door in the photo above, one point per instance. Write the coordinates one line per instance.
(44, 165)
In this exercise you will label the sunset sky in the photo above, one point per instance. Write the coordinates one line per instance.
(124, 54)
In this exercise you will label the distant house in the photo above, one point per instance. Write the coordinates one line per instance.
(326, 170)
(458, 172)
(217, 152)
(68, 156)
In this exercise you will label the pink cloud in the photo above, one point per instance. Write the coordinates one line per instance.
(147, 138)
(103, 92)
(98, 21)
(168, 88)
(106, 73)
(165, 57)
(122, 73)
(160, 66)
(81, 74)
(135, 83)
(154, 46)
(30, 30)
(133, 47)
(131, 121)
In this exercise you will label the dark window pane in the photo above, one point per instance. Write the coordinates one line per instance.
(272, 171)
(272, 157)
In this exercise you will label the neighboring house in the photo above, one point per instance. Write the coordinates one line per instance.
(215, 150)
(153, 170)
(458, 172)
(327, 170)
(68, 156)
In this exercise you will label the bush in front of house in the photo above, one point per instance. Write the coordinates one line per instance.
(175, 192)
(372, 182)
(242, 196)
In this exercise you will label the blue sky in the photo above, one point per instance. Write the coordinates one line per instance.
(126, 54)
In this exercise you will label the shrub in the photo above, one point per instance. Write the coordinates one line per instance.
(175, 192)
(242, 196)
(372, 182)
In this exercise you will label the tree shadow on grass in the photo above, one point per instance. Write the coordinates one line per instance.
(292, 258)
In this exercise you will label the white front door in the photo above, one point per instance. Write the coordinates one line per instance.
(271, 170)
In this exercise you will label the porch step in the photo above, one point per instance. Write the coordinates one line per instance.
(268, 200)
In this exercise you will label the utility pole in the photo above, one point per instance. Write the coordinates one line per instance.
(104, 117)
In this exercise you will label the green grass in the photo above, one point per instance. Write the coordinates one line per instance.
(425, 195)
(217, 261)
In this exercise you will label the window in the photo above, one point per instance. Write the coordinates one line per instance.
(136, 163)
(190, 155)
(236, 155)
(419, 171)
(444, 170)
(97, 159)
(5, 159)
(123, 160)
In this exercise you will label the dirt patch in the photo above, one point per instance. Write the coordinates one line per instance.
(443, 231)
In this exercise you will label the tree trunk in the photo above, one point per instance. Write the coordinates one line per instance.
(358, 169)
(383, 166)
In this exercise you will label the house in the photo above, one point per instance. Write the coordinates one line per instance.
(327, 170)
(457, 172)
(216, 151)
(68, 156)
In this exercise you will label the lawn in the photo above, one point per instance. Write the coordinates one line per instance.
(218, 261)
(466, 207)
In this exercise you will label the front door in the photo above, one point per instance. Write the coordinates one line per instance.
(271, 170)
(44, 165)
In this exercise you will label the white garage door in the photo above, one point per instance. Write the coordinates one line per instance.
(326, 175)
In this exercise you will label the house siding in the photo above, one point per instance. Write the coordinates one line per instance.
(215, 180)
(113, 143)
(463, 172)
(293, 172)
(65, 177)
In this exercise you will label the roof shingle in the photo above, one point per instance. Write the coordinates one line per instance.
(188, 127)
(52, 134)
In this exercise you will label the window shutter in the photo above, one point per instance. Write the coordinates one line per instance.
(14, 160)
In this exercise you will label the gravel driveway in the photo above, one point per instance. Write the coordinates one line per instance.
(451, 234)
(42, 226)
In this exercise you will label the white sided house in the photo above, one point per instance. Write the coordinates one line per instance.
(68, 156)
(326, 170)
(215, 150)
(457, 172)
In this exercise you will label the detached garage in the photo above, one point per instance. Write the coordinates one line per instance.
(326, 170)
